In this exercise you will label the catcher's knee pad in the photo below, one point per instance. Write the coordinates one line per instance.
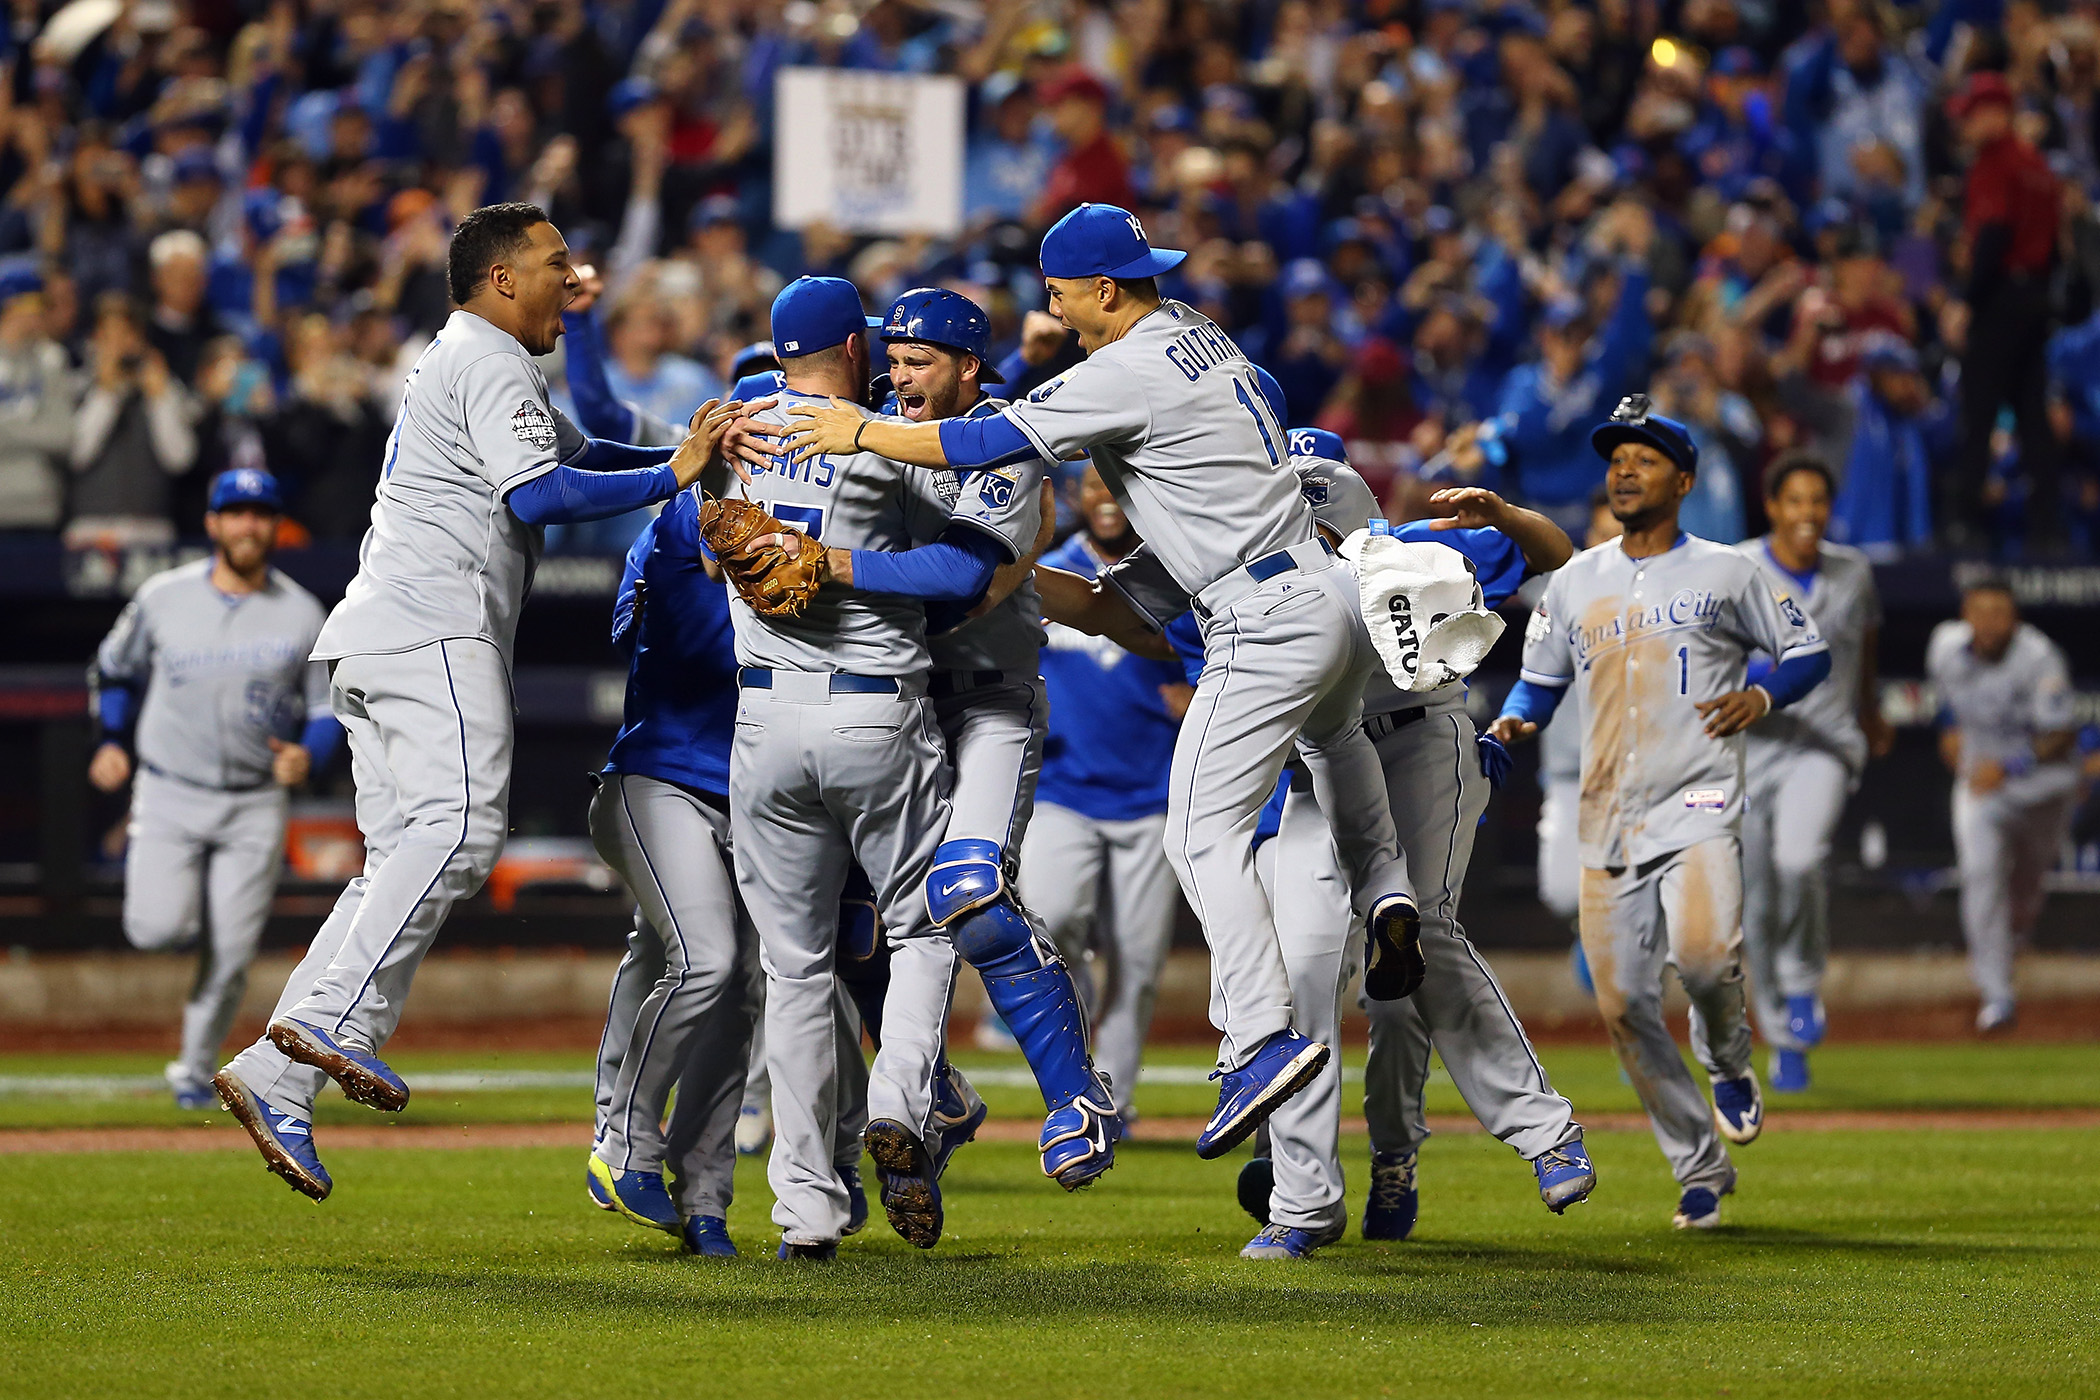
(967, 875)
(860, 924)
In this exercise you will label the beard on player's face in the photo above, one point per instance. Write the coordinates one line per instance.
(243, 537)
(928, 381)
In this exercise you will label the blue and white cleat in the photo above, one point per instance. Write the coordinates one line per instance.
(794, 1251)
(911, 1190)
(1280, 1066)
(600, 1197)
(1079, 1140)
(1393, 963)
(1394, 1202)
(1739, 1109)
(1289, 1242)
(856, 1199)
(1566, 1176)
(286, 1142)
(364, 1077)
(1697, 1209)
(193, 1097)
(640, 1196)
(708, 1237)
(1790, 1071)
(958, 1113)
(754, 1130)
(1805, 1020)
(1256, 1185)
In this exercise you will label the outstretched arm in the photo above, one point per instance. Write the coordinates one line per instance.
(1544, 544)
(1082, 605)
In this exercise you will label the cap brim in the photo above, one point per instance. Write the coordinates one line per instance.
(1610, 435)
(1150, 265)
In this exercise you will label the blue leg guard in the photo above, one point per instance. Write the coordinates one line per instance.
(863, 953)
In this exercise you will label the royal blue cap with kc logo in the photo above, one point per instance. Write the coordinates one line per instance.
(1635, 421)
(816, 313)
(1101, 240)
(938, 316)
(245, 486)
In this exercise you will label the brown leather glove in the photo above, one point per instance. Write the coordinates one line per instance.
(749, 545)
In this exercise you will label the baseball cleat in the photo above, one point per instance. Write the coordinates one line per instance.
(1566, 1176)
(1739, 1109)
(957, 1113)
(1697, 1209)
(911, 1192)
(364, 1077)
(824, 1253)
(1790, 1072)
(1805, 1020)
(286, 1142)
(195, 1097)
(1289, 1242)
(1390, 1212)
(640, 1196)
(708, 1237)
(856, 1199)
(1280, 1066)
(754, 1130)
(1393, 964)
(1257, 1183)
(1079, 1140)
(600, 1197)
(1997, 1017)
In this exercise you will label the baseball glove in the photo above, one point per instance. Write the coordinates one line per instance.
(740, 534)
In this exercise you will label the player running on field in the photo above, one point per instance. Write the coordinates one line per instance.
(1802, 763)
(1174, 419)
(204, 688)
(479, 462)
(1653, 633)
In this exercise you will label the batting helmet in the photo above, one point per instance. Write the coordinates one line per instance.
(948, 319)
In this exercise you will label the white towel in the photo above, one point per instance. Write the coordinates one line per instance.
(1427, 616)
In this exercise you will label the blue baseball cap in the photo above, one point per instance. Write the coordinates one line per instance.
(1318, 442)
(755, 358)
(1633, 421)
(19, 277)
(1273, 392)
(816, 313)
(1304, 277)
(1102, 240)
(938, 316)
(713, 210)
(245, 486)
(628, 94)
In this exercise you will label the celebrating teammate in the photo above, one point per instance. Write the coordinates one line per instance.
(233, 716)
(420, 647)
(1653, 632)
(1174, 419)
(1802, 763)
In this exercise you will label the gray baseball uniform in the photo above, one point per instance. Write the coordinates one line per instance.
(837, 759)
(1641, 642)
(223, 674)
(421, 644)
(2005, 841)
(1800, 764)
(1174, 421)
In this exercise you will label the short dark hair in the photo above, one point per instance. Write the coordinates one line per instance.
(484, 238)
(1142, 288)
(1789, 463)
(1988, 581)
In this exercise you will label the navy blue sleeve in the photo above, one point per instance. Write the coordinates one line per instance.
(1497, 561)
(569, 495)
(117, 706)
(1536, 703)
(984, 442)
(599, 411)
(1795, 677)
(321, 738)
(958, 565)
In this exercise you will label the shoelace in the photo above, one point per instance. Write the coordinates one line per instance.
(1274, 1234)
(1390, 1183)
(1557, 1159)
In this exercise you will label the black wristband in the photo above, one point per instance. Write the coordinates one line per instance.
(857, 432)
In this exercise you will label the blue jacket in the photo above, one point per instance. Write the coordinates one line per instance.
(1547, 426)
(1886, 502)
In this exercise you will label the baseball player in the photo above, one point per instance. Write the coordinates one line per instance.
(1801, 765)
(2007, 733)
(1095, 859)
(420, 647)
(205, 679)
(1176, 424)
(1653, 633)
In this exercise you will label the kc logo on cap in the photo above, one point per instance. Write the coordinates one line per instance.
(1103, 240)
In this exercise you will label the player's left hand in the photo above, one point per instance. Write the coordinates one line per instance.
(1472, 508)
(1495, 761)
(290, 764)
(703, 439)
(1734, 712)
(816, 431)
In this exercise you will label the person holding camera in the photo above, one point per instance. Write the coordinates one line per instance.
(133, 435)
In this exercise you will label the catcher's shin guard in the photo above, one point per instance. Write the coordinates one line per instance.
(863, 953)
(1027, 982)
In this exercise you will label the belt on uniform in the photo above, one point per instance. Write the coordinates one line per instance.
(842, 682)
(1376, 727)
(160, 772)
(1224, 592)
(943, 684)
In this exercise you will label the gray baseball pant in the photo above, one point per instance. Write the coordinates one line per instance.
(1682, 910)
(197, 851)
(2004, 843)
(1111, 880)
(1286, 662)
(994, 738)
(1791, 805)
(430, 746)
(818, 780)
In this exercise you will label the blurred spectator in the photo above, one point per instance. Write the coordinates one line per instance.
(1308, 363)
(1724, 428)
(328, 439)
(1008, 161)
(181, 322)
(1891, 430)
(644, 371)
(1857, 104)
(1092, 169)
(37, 395)
(134, 434)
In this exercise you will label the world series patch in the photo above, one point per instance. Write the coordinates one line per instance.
(533, 426)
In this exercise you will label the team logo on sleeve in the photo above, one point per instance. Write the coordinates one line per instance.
(1315, 491)
(1044, 391)
(997, 488)
(1540, 627)
(532, 426)
(1792, 609)
(948, 485)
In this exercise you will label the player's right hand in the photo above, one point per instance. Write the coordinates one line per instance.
(110, 768)
(703, 439)
(1509, 729)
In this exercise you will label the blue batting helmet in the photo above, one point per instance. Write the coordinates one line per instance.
(941, 317)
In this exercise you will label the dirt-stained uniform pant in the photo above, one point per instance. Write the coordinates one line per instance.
(196, 856)
(1683, 911)
(1792, 800)
(2004, 843)
(817, 780)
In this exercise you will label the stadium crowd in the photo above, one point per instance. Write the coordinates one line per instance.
(1457, 231)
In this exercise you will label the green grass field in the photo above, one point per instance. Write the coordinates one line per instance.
(1854, 1263)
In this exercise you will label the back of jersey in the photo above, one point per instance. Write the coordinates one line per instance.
(857, 501)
